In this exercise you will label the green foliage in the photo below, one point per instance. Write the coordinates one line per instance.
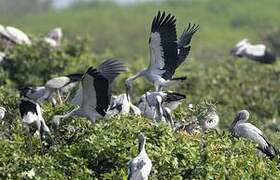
(102, 151)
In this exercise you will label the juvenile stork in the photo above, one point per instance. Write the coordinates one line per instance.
(31, 114)
(257, 52)
(2, 112)
(96, 91)
(241, 128)
(54, 37)
(166, 54)
(121, 104)
(140, 167)
(210, 120)
(158, 105)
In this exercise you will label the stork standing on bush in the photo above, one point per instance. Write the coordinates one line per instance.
(96, 91)
(166, 54)
(241, 128)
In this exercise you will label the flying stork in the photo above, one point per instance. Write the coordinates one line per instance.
(140, 167)
(96, 91)
(257, 52)
(166, 54)
(241, 128)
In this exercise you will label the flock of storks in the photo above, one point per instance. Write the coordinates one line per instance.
(94, 99)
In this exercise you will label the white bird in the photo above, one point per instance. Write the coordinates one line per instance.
(166, 54)
(2, 112)
(241, 128)
(54, 37)
(31, 113)
(96, 86)
(140, 167)
(15, 35)
(158, 105)
(121, 104)
(257, 52)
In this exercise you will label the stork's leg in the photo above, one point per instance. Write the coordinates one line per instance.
(29, 136)
(59, 97)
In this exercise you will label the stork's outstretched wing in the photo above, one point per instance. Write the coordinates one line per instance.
(163, 46)
(63, 81)
(96, 85)
(184, 42)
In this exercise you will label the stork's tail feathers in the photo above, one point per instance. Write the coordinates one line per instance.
(173, 96)
(270, 151)
(179, 78)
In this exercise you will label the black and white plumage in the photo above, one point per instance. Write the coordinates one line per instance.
(54, 37)
(140, 167)
(257, 52)
(159, 105)
(31, 114)
(96, 91)
(166, 54)
(14, 35)
(241, 128)
(2, 112)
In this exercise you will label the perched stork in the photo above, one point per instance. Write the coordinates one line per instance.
(96, 91)
(121, 104)
(166, 54)
(31, 114)
(54, 37)
(241, 128)
(140, 167)
(14, 35)
(158, 105)
(2, 112)
(256, 52)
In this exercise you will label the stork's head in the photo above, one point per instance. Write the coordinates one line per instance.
(242, 116)
(240, 44)
(142, 141)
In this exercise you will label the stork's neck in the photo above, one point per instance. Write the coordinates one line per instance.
(141, 147)
(137, 75)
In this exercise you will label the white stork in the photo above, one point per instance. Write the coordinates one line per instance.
(257, 52)
(140, 167)
(14, 35)
(241, 128)
(2, 112)
(166, 54)
(158, 105)
(31, 113)
(54, 37)
(96, 91)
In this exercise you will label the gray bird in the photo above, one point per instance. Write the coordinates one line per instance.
(241, 128)
(2, 112)
(158, 105)
(166, 54)
(140, 167)
(96, 91)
